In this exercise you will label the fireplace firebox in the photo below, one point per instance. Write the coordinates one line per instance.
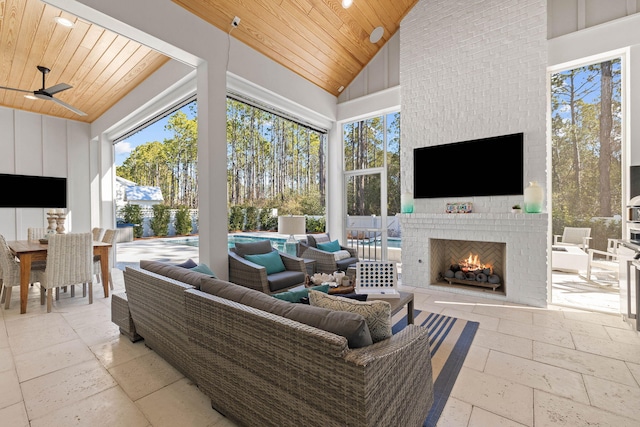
(470, 264)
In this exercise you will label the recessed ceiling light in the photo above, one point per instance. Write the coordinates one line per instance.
(347, 3)
(376, 34)
(341, 88)
(30, 97)
(63, 21)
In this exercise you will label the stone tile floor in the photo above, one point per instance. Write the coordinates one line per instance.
(526, 367)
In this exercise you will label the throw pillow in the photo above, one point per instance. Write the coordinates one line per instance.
(298, 295)
(341, 254)
(271, 261)
(204, 269)
(329, 247)
(187, 264)
(253, 248)
(377, 314)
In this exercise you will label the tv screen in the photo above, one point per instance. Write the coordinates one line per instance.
(26, 191)
(481, 167)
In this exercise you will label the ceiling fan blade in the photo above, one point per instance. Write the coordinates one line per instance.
(58, 88)
(64, 104)
(18, 90)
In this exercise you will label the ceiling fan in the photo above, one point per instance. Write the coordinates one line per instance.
(47, 94)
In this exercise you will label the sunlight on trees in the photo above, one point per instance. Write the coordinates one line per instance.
(587, 149)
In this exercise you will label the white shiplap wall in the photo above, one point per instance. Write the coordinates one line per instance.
(34, 144)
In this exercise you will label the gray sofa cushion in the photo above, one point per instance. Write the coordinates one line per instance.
(352, 326)
(253, 248)
(343, 264)
(285, 279)
(174, 272)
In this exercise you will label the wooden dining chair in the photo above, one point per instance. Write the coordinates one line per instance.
(10, 272)
(69, 262)
(110, 236)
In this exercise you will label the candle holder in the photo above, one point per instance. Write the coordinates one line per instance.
(60, 217)
(51, 229)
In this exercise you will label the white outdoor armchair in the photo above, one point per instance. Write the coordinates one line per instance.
(574, 236)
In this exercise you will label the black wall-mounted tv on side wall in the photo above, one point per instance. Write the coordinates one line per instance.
(481, 167)
(26, 191)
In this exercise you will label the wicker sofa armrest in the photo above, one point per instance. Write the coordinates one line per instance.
(400, 369)
(157, 308)
(325, 261)
(292, 263)
(246, 273)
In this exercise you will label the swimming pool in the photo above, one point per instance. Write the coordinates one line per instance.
(277, 242)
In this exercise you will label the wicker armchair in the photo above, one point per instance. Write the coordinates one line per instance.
(69, 262)
(10, 272)
(110, 236)
(251, 275)
(326, 261)
(97, 233)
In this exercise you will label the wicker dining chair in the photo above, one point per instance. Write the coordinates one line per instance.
(10, 272)
(36, 233)
(97, 233)
(69, 262)
(110, 236)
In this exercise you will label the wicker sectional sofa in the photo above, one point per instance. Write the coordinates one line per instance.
(262, 368)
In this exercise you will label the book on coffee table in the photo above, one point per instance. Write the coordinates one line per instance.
(377, 278)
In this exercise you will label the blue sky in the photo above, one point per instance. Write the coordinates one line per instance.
(154, 132)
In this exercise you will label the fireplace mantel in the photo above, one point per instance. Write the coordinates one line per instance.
(526, 241)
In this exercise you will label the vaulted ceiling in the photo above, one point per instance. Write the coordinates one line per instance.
(317, 39)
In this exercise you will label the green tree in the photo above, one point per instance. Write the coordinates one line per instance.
(132, 214)
(183, 220)
(160, 222)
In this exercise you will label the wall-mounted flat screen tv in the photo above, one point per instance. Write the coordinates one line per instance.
(27, 191)
(481, 167)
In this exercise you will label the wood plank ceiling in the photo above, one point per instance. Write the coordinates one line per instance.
(317, 39)
(101, 66)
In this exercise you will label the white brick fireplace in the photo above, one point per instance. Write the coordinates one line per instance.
(470, 70)
(524, 236)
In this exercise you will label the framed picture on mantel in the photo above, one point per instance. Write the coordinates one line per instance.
(457, 207)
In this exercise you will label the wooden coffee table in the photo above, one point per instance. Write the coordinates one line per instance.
(406, 298)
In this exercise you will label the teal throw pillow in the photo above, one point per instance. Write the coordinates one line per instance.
(204, 269)
(297, 295)
(329, 247)
(271, 261)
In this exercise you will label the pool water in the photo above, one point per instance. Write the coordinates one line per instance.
(277, 242)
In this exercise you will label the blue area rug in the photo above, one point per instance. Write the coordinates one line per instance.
(449, 340)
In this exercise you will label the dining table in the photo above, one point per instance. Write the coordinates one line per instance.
(28, 251)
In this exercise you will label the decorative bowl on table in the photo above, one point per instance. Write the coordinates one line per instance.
(320, 278)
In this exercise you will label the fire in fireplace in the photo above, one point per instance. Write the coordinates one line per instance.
(472, 271)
